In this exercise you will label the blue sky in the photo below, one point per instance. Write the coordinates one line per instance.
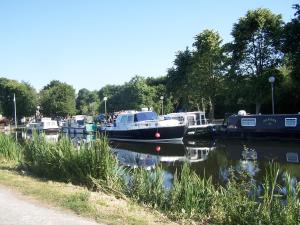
(91, 43)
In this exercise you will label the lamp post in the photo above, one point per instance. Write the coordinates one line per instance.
(38, 111)
(272, 80)
(162, 104)
(15, 109)
(105, 99)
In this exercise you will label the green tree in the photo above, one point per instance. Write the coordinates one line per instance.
(256, 51)
(177, 80)
(160, 90)
(206, 72)
(26, 98)
(291, 47)
(109, 91)
(87, 102)
(135, 94)
(57, 99)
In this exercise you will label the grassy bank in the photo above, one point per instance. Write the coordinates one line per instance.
(191, 198)
(102, 207)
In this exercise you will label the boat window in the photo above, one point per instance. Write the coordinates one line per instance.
(191, 120)
(203, 121)
(290, 122)
(142, 116)
(248, 122)
(292, 157)
(124, 119)
(80, 122)
(130, 119)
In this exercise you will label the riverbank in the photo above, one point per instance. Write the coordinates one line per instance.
(240, 200)
(101, 207)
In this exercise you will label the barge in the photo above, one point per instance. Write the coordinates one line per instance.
(271, 126)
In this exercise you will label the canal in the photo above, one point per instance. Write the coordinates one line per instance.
(215, 158)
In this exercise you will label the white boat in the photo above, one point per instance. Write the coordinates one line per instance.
(196, 122)
(46, 124)
(144, 126)
(78, 124)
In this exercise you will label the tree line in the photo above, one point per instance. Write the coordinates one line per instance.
(211, 76)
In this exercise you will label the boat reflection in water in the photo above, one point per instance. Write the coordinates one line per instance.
(149, 155)
(49, 137)
(254, 157)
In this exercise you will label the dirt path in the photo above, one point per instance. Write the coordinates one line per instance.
(16, 210)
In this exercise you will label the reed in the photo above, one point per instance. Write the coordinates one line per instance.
(9, 148)
(63, 161)
(236, 202)
(191, 196)
(147, 187)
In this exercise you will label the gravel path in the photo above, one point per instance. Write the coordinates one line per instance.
(16, 210)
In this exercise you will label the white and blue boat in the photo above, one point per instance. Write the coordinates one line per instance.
(144, 126)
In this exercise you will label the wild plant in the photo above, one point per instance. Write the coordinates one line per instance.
(9, 148)
(63, 161)
(190, 195)
(147, 186)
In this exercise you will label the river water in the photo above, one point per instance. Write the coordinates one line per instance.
(213, 158)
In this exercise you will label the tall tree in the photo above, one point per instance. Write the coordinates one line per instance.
(177, 79)
(87, 102)
(109, 91)
(206, 69)
(57, 99)
(256, 50)
(26, 98)
(291, 46)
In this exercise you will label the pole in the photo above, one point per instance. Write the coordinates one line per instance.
(105, 99)
(15, 108)
(272, 88)
(105, 109)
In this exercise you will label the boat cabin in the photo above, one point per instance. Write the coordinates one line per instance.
(134, 117)
(277, 125)
(188, 118)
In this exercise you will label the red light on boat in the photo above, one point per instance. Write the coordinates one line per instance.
(157, 135)
(157, 148)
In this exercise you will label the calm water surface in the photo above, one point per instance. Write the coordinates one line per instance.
(210, 157)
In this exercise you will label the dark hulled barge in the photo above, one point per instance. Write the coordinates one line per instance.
(274, 126)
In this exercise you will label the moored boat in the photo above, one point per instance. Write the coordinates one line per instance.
(46, 125)
(274, 126)
(79, 124)
(196, 122)
(144, 126)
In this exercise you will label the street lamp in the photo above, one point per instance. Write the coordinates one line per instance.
(15, 109)
(272, 80)
(105, 99)
(162, 105)
(38, 111)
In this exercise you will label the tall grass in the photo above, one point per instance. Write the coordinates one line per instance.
(147, 187)
(63, 161)
(191, 196)
(240, 201)
(9, 148)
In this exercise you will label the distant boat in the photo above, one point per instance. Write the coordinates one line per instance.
(46, 124)
(274, 126)
(144, 126)
(196, 122)
(79, 124)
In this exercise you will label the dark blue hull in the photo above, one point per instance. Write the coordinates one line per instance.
(160, 134)
(280, 126)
